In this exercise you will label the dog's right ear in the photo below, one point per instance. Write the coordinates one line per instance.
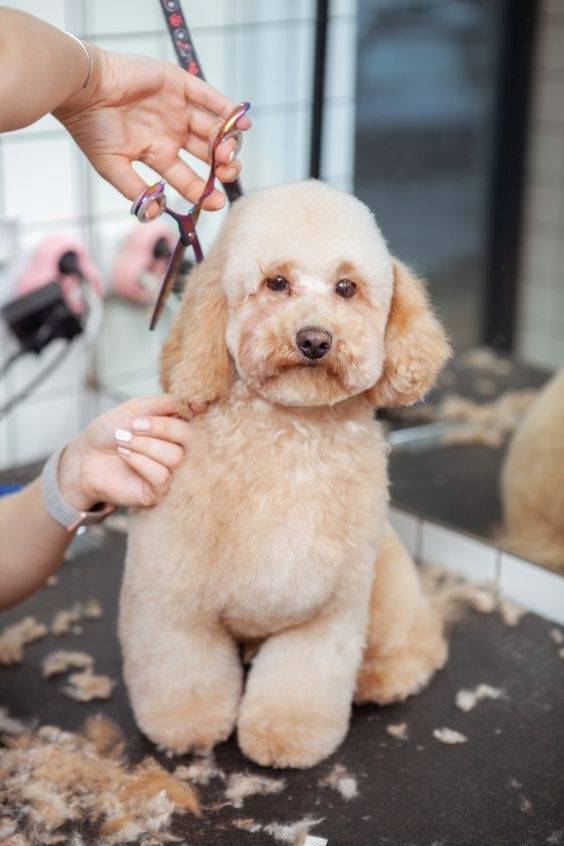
(195, 363)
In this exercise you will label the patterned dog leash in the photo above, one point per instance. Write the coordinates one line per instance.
(186, 223)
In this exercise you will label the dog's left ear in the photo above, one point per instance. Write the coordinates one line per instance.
(415, 344)
(195, 364)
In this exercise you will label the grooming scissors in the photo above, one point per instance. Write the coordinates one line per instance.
(186, 222)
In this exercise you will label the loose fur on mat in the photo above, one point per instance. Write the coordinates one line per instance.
(488, 423)
(15, 637)
(85, 686)
(451, 595)
(398, 730)
(242, 785)
(66, 620)
(62, 660)
(449, 736)
(342, 781)
(466, 700)
(53, 779)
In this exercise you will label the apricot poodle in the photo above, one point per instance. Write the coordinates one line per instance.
(275, 531)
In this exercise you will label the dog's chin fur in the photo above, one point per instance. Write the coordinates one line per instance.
(302, 385)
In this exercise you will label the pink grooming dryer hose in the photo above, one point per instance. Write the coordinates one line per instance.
(143, 254)
(43, 267)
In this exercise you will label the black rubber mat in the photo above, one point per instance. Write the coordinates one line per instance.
(504, 787)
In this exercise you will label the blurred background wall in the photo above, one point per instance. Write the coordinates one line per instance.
(258, 50)
(412, 110)
(540, 337)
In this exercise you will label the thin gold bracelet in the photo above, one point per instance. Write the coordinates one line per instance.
(88, 55)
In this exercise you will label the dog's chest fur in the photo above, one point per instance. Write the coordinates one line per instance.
(273, 511)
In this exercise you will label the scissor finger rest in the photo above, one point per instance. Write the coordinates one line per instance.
(152, 194)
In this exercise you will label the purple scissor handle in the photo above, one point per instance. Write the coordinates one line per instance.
(186, 222)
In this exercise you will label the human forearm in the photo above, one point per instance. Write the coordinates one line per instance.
(125, 457)
(32, 544)
(40, 68)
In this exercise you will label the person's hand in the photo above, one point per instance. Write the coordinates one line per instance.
(126, 456)
(140, 109)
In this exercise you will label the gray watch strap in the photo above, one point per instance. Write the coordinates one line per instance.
(57, 507)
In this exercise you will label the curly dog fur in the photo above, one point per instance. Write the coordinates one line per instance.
(275, 529)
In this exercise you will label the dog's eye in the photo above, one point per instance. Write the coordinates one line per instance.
(345, 288)
(277, 283)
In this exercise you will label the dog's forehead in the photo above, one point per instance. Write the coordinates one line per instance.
(311, 226)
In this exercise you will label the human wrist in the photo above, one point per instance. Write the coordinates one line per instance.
(83, 94)
(72, 477)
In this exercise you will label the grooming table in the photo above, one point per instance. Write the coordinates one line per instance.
(416, 792)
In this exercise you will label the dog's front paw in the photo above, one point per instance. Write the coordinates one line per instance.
(275, 735)
(401, 672)
(185, 725)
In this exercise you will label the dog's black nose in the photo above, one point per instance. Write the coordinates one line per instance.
(314, 342)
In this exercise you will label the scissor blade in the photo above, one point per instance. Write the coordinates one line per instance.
(171, 276)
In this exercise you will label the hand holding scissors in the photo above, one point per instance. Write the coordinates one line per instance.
(186, 222)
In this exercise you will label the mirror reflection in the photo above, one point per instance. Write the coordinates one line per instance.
(460, 153)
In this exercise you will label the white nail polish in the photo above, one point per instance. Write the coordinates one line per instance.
(141, 424)
(231, 156)
(122, 435)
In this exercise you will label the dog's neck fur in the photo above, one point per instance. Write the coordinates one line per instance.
(352, 408)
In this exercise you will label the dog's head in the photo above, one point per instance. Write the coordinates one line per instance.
(300, 297)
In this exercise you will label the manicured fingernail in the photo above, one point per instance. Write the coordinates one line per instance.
(122, 435)
(231, 156)
(141, 424)
(230, 173)
(124, 451)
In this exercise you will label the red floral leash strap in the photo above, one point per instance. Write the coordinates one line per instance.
(188, 59)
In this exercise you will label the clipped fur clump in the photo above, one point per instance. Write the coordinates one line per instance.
(466, 700)
(484, 358)
(247, 824)
(85, 686)
(294, 833)
(63, 660)
(449, 736)
(15, 637)
(342, 781)
(450, 595)
(242, 785)
(201, 771)
(53, 779)
(511, 613)
(9, 725)
(398, 730)
(66, 620)
(487, 423)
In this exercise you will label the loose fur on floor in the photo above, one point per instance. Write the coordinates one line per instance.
(297, 325)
